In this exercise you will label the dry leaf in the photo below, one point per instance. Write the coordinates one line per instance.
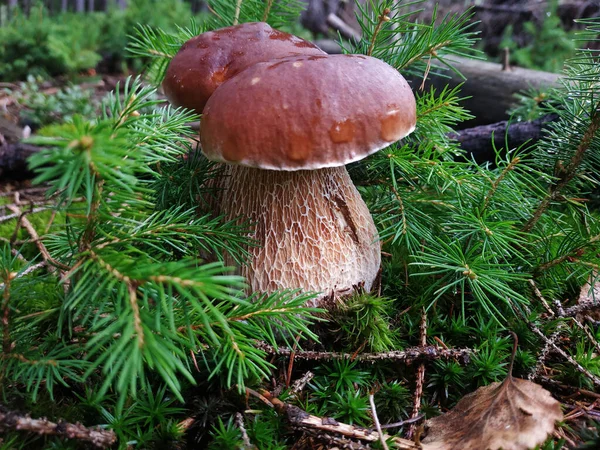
(513, 415)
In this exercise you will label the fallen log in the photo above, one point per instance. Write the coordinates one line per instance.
(489, 87)
(13, 160)
(479, 142)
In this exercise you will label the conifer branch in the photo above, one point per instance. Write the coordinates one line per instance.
(36, 239)
(408, 356)
(11, 420)
(569, 172)
(383, 18)
(269, 4)
(420, 377)
(511, 166)
(297, 417)
(7, 277)
(593, 378)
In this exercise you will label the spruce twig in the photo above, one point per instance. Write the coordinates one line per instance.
(420, 377)
(376, 422)
(8, 277)
(541, 298)
(239, 421)
(568, 173)
(383, 17)
(408, 356)
(267, 10)
(299, 418)
(564, 354)
(581, 308)
(36, 239)
(11, 420)
(238, 7)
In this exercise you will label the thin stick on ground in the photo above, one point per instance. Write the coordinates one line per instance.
(565, 355)
(239, 421)
(541, 298)
(11, 420)
(420, 378)
(408, 356)
(544, 353)
(36, 239)
(402, 422)
(376, 422)
(300, 383)
(583, 307)
(299, 418)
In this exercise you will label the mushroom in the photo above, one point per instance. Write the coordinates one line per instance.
(207, 60)
(288, 127)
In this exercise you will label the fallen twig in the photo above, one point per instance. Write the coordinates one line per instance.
(35, 238)
(301, 419)
(420, 378)
(298, 385)
(376, 422)
(11, 420)
(581, 308)
(408, 356)
(565, 355)
(402, 422)
(239, 421)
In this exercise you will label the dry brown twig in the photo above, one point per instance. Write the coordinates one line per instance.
(11, 420)
(565, 355)
(36, 239)
(299, 418)
(376, 422)
(408, 356)
(420, 378)
(239, 421)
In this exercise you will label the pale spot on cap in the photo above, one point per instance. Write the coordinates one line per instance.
(297, 64)
(254, 80)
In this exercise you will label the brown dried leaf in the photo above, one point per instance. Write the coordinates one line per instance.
(513, 415)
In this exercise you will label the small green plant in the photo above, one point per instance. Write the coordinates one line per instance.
(350, 407)
(550, 44)
(226, 436)
(39, 108)
(364, 323)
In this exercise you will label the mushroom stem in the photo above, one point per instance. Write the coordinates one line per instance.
(313, 229)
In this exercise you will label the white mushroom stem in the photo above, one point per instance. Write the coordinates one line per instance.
(313, 229)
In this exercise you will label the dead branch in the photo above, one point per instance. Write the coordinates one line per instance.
(11, 420)
(376, 422)
(35, 238)
(408, 356)
(420, 377)
(583, 307)
(239, 421)
(481, 141)
(299, 418)
(565, 355)
(300, 383)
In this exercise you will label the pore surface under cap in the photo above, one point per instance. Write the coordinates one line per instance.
(307, 112)
(209, 59)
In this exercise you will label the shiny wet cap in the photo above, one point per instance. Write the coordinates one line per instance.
(307, 112)
(209, 59)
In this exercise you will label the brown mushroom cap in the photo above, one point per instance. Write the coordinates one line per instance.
(307, 112)
(209, 59)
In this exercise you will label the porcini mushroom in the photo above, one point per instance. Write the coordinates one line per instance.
(207, 60)
(288, 127)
